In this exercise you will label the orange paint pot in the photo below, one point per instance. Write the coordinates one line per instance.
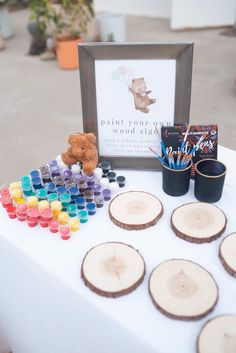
(67, 53)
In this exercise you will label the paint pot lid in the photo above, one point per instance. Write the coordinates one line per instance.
(73, 190)
(91, 206)
(65, 197)
(120, 179)
(61, 189)
(72, 208)
(65, 230)
(33, 213)
(46, 213)
(80, 200)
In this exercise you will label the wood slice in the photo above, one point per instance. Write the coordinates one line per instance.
(227, 254)
(113, 269)
(135, 210)
(183, 290)
(218, 335)
(198, 222)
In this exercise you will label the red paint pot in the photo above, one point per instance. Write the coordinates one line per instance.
(11, 210)
(21, 212)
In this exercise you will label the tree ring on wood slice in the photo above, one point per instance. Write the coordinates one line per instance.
(135, 210)
(113, 269)
(218, 335)
(227, 254)
(198, 222)
(183, 290)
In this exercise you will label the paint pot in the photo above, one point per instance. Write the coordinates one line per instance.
(89, 179)
(37, 183)
(75, 168)
(73, 192)
(72, 210)
(25, 179)
(32, 201)
(78, 177)
(99, 200)
(21, 212)
(11, 211)
(121, 181)
(56, 208)
(106, 194)
(89, 194)
(82, 185)
(114, 186)
(65, 200)
(97, 173)
(53, 163)
(41, 194)
(55, 171)
(111, 176)
(45, 217)
(27, 189)
(32, 217)
(63, 217)
(54, 226)
(69, 183)
(74, 224)
(46, 178)
(43, 204)
(105, 166)
(61, 190)
(5, 192)
(6, 201)
(96, 189)
(14, 185)
(52, 197)
(35, 174)
(58, 180)
(17, 196)
(50, 187)
(68, 174)
(65, 232)
(104, 182)
(83, 216)
(80, 202)
(91, 208)
(44, 169)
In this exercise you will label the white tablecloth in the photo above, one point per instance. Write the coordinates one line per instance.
(45, 307)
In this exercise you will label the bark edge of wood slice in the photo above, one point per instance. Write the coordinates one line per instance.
(227, 253)
(218, 335)
(140, 210)
(198, 222)
(111, 266)
(175, 284)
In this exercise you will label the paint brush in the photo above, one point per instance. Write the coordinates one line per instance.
(162, 144)
(157, 155)
(182, 147)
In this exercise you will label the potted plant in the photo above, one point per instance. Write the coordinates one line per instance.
(70, 23)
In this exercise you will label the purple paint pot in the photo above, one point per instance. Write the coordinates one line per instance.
(89, 179)
(68, 174)
(78, 177)
(55, 171)
(106, 194)
(97, 189)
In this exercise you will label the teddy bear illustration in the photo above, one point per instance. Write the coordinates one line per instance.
(82, 148)
(141, 99)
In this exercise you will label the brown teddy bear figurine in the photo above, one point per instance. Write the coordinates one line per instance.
(82, 149)
(141, 99)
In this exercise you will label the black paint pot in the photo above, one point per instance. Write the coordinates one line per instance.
(175, 182)
(209, 180)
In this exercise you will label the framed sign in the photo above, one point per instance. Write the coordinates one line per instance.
(128, 92)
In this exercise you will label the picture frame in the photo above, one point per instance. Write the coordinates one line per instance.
(130, 90)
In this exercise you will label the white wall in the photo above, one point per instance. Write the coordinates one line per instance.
(152, 8)
(202, 13)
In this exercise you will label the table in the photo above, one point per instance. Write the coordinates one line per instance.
(45, 306)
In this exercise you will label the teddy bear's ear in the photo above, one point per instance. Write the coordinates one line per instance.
(72, 139)
(91, 137)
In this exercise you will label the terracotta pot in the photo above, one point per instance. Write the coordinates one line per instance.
(67, 53)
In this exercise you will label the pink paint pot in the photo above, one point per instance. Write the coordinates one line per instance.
(45, 217)
(11, 210)
(31, 223)
(65, 232)
(21, 212)
(6, 201)
(54, 226)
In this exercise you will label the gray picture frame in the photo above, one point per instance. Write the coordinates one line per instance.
(182, 52)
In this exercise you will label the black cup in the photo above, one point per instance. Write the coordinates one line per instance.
(209, 180)
(175, 182)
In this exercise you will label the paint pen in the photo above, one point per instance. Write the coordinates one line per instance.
(65, 232)
(83, 216)
(91, 208)
(74, 224)
(162, 144)
(158, 157)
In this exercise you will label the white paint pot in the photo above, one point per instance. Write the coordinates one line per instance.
(112, 27)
